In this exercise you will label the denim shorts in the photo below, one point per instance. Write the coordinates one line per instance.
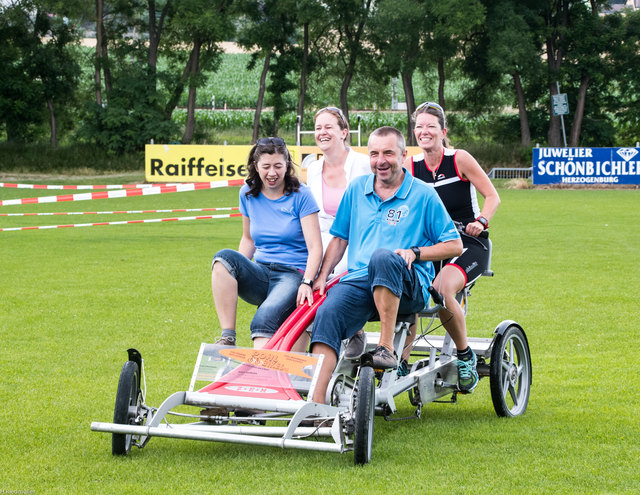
(349, 304)
(270, 286)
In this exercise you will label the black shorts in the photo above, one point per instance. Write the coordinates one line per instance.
(473, 261)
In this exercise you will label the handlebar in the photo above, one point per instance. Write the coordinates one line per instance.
(460, 227)
(436, 296)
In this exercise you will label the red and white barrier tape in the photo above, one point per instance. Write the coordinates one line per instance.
(85, 186)
(147, 191)
(115, 212)
(149, 220)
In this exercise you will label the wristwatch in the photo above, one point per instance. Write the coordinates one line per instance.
(483, 221)
(307, 281)
(416, 251)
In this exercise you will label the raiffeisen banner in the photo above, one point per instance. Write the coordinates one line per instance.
(198, 163)
(586, 166)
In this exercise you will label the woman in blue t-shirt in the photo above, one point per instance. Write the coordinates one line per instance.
(280, 231)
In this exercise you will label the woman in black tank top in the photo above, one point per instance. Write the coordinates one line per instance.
(456, 176)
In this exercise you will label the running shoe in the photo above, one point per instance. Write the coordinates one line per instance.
(467, 373)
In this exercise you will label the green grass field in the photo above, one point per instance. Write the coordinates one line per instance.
(73, 300)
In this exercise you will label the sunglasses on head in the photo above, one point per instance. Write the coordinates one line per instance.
(435, 106)
(333, 109)
(276, 141)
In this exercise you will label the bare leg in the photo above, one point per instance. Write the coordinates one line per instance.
(328, 365)
(259, 342)
(387, 305)
(302, 343)
(449, 282)
(299, 345)
(410, 338)
(225, 295)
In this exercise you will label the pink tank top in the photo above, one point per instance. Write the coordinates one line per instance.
(331, 197)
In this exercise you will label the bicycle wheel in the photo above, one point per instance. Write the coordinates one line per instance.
(364, 414)
(126, 409)
(510, 372)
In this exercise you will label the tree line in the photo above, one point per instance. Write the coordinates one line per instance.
(509, 53)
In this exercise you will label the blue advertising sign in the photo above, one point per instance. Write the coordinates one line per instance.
(586, 165)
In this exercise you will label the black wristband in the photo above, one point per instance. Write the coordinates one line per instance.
(416, 251)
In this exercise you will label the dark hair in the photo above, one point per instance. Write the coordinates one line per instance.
(270, 146)
(386, 130)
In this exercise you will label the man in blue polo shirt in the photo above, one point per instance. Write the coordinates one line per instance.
(394, 226)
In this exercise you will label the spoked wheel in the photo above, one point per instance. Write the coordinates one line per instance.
(363, 416)
(340, 389)
(128, 399)
(510, 372)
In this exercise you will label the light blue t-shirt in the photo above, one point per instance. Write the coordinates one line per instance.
(275, 225)
(413, 216)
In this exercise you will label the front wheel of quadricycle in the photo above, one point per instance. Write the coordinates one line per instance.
(510, 372)
(364, 414)
(127, 404)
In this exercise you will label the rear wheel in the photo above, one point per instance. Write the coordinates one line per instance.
(510, 372)
(128, 400)
(364, 414)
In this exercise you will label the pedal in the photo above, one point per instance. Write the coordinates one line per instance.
(442, 384)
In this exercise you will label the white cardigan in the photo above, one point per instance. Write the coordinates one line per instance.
(356, 164)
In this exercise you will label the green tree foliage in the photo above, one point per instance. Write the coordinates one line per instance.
(155, 54)
(39, 69)
(624, 51)
(130, 118)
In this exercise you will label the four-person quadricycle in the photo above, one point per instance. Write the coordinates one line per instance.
(263, 396)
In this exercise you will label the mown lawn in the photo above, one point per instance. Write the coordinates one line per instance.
(73, 300)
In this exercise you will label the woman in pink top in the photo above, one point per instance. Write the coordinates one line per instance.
(328, 176)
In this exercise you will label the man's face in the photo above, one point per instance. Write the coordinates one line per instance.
(386, 158)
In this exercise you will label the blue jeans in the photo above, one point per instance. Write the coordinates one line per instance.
(349, 304)
(270, 286)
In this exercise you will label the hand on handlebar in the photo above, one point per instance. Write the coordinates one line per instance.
(474, 228)
(305, 293)
(320, 284)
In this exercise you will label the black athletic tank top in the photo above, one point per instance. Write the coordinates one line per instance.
(457, 194)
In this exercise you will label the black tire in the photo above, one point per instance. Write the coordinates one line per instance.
(363, 416)
(510, 372)
(127, 398)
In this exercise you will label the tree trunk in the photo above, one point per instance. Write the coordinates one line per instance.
(576, 125)
(177, 91)
(344, 88)
(105, 64)
(155, 32)
(525, 131)
(52, 123)
(98, 71)
(191, 100)
(261, 91)
(441, 82)
(407, 84)
(303, 73)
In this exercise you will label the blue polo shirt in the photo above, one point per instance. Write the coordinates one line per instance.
(413, 216)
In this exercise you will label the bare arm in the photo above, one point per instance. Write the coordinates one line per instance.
(313, 240)
(332, 256)
(247, 246)
(471, 170)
